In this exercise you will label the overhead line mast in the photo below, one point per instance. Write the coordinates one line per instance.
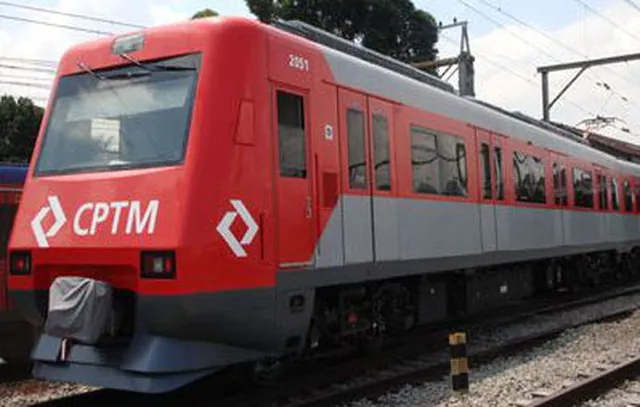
(463, 62)
(583, 66)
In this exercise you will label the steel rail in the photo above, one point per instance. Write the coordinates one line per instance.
(591, 387)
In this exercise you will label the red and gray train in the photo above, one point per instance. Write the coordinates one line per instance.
(249, 192)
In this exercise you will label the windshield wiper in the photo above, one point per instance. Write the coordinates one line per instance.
(88, 70)
(155, 68)
(126, 75)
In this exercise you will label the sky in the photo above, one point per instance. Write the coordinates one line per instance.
(509, 39)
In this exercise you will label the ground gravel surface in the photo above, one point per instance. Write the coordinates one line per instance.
(30, 392)
(518, 380)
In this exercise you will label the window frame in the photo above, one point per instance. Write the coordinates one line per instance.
(464, 180)
(628, 206)
(305, 111)
(383, 113)
(558, 169)
(583, 170)
(486, 170)
(364, 114)
(614, 177)
(529, 154)
(498, 144)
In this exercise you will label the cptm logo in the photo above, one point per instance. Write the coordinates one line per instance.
(224, 228)
(36, 224)
(92, 217)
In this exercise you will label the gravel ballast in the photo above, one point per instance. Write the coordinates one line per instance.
(518, 380)
(30, 392)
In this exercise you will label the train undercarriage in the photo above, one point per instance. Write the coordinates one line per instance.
(365, 313)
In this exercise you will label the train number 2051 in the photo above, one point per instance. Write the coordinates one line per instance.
(298, 62)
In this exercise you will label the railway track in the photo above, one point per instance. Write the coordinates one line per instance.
(593, 386)
(416, 360)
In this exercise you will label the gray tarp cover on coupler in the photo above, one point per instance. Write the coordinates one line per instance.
(79, 309)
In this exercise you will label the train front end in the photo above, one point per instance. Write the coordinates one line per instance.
(138, 248)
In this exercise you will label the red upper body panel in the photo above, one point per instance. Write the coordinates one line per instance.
(96, 223)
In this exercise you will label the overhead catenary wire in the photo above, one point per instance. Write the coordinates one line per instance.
(67, 14)
(4, 75)
(614, 24)
(41, 62)
(533, 45)
(518, 75)
(64, 26)
(632, 4)
(27, 84)
(550, 37)
(26, 68)
(515, 35)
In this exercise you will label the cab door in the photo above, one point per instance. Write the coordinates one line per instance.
(294, 177)
(356, 178)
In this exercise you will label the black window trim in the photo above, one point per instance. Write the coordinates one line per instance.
(365, 154)
(464, 182)
(37, 173)
(305, 121)
(389, 159)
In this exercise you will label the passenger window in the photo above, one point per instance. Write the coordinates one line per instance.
(615, 200)
(528, 178)
(637, 196)
(560, 184)
(563, 185)
(439, 163)
(556, 184)
(499, 178)
(485, 162)
(356, 150)
(291, 136)
(424, 160)
(381, 152)
(628, 196)
(583, 188)
(604, 202)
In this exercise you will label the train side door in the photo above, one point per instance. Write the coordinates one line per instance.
(294, 177)
(356, 178)
(488, 191)
(386, 235)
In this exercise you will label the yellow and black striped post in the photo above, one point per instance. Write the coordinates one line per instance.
(459, 362)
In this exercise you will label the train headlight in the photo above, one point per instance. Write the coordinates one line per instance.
(20, 263)
(127, 44)
(158, 264)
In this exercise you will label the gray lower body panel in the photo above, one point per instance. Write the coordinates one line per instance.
(148, 365)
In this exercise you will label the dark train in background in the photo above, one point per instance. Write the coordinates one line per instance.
(228, 193)
(16, 335)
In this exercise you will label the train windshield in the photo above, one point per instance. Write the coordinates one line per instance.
(130, 117)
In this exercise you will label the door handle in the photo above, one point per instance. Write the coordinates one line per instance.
(309, 209)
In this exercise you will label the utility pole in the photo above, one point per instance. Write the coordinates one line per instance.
(462, 64)
(582, 66)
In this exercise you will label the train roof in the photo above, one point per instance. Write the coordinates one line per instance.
(378, 80)
(397, 81)
(13, 173)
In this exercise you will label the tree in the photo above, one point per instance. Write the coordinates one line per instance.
(207, 12)
(392, 27)
(19, 124)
